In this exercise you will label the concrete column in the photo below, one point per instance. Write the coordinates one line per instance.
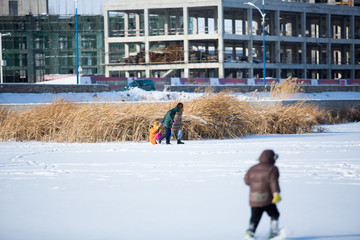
(166, 22)
(352, 46)
(177, 24)
(106, 41)
(352, 27)
(216, 24)
(303, 24)
(328, 26)
(31, 57)
(207, 25)
(329, 54)
(99, 54)
(186, 32)
(195, 25)
(126, 24)
(186, 51)
(146, 22)
(328, 45)
(250, 42)
(138, 48)
(303, 44)
(277, 23)
(220, 14)
(344, 29)
(186, 72)
(127, 49)
(186, 20)
(244, 23)
(137, 20)
(277, 58)
(234, 52)
(298, 26)
(233, 25)
(352, 60)
(277, 43)
(186, 41)
(147, 44)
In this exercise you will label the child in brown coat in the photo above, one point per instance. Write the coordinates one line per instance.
(263, 179)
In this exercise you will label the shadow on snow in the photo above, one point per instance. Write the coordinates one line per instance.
(348, 237)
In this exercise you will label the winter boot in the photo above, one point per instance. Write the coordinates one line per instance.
(249, 236)
(274, 228)
(250, 232)
(179, 142)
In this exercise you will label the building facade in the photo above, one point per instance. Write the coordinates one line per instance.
(223, 38)
(46, 44)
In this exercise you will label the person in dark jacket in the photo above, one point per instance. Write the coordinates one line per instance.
(167, 122)
(263, 179)
(177, 125)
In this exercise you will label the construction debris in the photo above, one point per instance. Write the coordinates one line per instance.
(169, 54)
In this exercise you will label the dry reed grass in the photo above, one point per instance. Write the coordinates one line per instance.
(284, 90)
(214, 116)
(344, 115)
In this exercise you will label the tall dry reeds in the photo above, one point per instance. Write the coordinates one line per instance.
(287, 89)
(215, 116)
(344, 115)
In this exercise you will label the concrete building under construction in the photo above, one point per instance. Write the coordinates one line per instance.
(223, 38)
(41, 44)
(45, 44)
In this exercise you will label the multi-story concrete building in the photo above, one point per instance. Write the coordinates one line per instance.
(45, 44)
(42, 44)
(223, 38)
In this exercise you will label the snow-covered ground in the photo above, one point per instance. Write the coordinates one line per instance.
(137, 191)
(141, 95)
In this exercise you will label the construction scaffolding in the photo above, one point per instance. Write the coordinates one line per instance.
(45, 44)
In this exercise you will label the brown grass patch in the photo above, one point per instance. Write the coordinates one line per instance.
(344, 115)
(214, 116)
(284, 90)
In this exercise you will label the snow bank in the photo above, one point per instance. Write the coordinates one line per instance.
(154, 96)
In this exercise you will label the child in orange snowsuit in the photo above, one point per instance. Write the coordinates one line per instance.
(153, 131)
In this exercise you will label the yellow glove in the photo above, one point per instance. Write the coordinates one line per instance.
(276, 198)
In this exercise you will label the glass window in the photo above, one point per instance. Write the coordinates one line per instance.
(117, 51)
(88, 59)
(116, 24)
(13, 8)
(89, 41)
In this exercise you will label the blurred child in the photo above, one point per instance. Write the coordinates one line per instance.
(155, 133)
(157, 136)
(176, 127)
(263, 179)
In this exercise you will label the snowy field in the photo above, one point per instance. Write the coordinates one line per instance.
(137, 191)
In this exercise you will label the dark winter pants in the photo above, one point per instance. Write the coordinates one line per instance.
(256, 213)
(167, 135)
